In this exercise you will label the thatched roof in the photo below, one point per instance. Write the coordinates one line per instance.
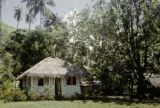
(53, 67)
(154, 79)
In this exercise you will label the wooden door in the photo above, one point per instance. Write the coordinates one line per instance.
(58, 90)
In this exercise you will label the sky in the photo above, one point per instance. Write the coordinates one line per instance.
(62, 7)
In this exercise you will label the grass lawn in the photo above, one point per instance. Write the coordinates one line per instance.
(77, 104)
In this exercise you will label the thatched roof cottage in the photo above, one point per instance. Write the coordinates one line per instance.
(54, 75)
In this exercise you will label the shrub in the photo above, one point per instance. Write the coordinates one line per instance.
(19, 95)
(33, 96)
(0, 92)
(46, 97)
(78, 96)
(10, 93)
(14, 95)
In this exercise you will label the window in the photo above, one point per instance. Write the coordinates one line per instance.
(41, 82)
(71, 81)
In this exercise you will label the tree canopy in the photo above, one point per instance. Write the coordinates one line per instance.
(118, 43)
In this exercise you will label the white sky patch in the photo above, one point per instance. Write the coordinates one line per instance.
(91, 36)
(72, 17)
(62, 7)
(71, 40)
(90, 48)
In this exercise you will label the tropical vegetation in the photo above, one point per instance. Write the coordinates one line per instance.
(116, 42)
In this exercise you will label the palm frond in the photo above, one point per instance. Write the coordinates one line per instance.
(29, 17)
(28, 3)
(18, 13)
(39, 6)
(50, 2)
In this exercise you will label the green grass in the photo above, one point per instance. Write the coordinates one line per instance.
(77, 104)
(6, 31)
(9, 28)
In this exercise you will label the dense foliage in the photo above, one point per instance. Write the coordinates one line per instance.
(117, 43)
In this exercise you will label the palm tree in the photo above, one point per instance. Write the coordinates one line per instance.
(40, 6)
(29, 15)
(29, 19)
(18, 14)
(1, 3)
(0, 15)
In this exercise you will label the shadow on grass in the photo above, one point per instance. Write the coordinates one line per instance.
(125, 102)
(128, 102)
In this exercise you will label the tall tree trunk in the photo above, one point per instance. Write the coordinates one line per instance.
(140, 73)
(30, 18)
(131, 90)
(140, 84)
(0, 17)
(29, 25)
(40, 19)
(141, 79)
(146, 34)
(17, 24)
